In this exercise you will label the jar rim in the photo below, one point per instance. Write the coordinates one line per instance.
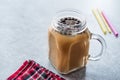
(69, 13)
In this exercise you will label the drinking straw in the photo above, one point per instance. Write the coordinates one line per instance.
(99, 21)
(107, 27)
(110, 24)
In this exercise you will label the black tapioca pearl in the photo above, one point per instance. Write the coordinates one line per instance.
(66, 18)
(64, 22)
(78, 22)
(73, 18)
(77, 26)
(59, 28)
(62, 19)
(75, 22)
(59, 21)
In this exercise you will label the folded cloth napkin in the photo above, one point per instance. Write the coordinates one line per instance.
(30, 70)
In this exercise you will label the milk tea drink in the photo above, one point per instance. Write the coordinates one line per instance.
(69, 41)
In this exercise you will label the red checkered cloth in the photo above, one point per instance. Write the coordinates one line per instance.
(30, 70)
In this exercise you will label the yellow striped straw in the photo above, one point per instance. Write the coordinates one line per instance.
(102, 26)
(107, 27)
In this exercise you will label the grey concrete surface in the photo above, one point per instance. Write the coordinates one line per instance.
(23, 35)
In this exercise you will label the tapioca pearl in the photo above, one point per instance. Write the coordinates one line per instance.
(76, 26)
(73, 18)
(75, 22)
(78, 22)
(59, 24)
(63, 22)
(62, 19)
(65, 18)
(59, 28)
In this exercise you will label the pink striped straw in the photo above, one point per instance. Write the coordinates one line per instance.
(110, 24)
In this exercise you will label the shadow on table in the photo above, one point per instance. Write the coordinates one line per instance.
(76, 75)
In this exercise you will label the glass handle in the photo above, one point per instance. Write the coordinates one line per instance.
(103, 44)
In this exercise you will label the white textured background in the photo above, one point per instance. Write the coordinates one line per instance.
(23, 36)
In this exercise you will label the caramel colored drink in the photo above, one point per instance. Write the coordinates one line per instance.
(68, 52)
(69, 39)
